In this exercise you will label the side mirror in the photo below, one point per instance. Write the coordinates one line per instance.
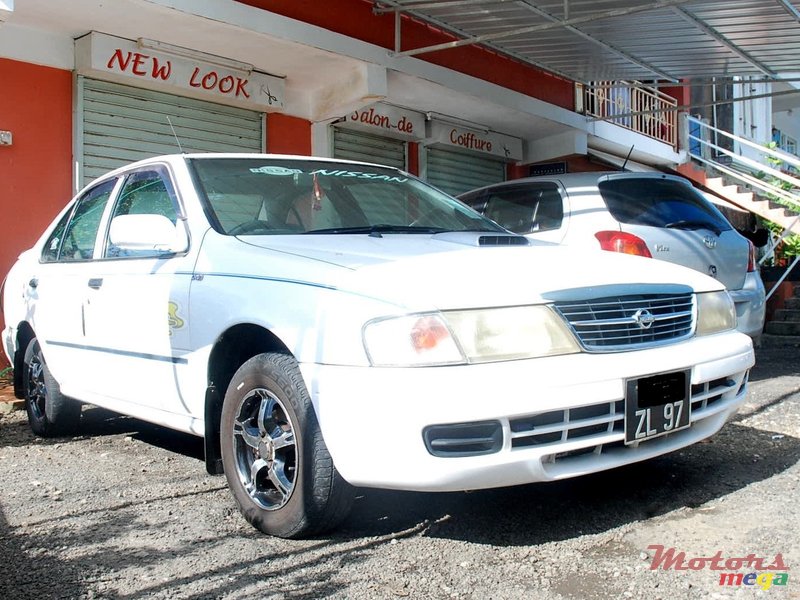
(145, 235)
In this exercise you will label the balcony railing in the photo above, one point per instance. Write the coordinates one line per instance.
(634, 106)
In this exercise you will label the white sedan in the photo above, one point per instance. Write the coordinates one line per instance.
(328, 324)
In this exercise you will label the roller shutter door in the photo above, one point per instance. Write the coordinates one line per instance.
(121, 124)
(457, 172)
(355, 145)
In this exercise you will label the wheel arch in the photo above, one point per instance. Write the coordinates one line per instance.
(231, 350)
(25, 334)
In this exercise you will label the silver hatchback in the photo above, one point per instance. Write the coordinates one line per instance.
(648, 214)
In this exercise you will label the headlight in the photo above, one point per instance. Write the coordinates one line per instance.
(414, 340)
(468, 336)
(715, 313)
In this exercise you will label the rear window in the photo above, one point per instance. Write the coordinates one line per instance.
(660, 203)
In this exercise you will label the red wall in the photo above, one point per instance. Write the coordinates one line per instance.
(35, 171)
(354, 18)
(288, 135)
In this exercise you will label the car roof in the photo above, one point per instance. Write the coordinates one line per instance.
(587, 178)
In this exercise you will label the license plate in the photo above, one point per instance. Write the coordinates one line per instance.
(656, 405)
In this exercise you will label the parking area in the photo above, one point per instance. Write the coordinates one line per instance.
(126, 510)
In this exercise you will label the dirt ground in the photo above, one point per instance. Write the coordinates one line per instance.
(125, 510)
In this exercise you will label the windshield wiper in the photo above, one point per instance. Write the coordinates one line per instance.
(691, 225)
(376, 230)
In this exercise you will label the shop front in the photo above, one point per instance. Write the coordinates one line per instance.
(459, 158)
(136, 99)
(380, 133)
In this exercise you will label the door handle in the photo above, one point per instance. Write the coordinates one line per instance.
(95, 283)
(34, 283)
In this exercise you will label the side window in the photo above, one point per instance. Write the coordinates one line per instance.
(475, 200)
(144, 193)
(80, 234)
(526, 208)
(53, 243)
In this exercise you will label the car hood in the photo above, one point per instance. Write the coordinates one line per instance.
(453, 271)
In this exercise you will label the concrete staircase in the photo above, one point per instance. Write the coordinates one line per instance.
(746, 200)
(745, 173)
(786, 320)
(752, 176)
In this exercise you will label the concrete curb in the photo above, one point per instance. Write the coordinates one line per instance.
(779, 341)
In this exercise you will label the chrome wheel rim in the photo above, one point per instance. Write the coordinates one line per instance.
(36, 387)
(264, 449)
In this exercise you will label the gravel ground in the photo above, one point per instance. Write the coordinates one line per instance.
(125, 510)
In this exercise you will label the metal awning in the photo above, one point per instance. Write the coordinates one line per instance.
(587, 40)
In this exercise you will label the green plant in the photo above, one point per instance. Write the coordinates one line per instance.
(790, 246)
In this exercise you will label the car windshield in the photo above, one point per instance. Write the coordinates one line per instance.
(660, 203)
(271, 196)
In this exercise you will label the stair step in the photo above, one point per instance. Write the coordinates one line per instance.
(792, 303)
(783, 328)
(787, 315)
(742, 195)
(779, 341)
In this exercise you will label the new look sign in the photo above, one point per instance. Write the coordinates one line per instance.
(153, 65)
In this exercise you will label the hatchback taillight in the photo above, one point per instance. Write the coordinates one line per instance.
(751, 257)
(626, 243)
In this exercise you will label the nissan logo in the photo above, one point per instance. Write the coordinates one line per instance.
(710, 242)
(644, 318)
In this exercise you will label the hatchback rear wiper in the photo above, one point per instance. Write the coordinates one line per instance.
(690, 225)
(378, 229)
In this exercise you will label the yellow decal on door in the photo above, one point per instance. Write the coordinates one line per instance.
(175, 322)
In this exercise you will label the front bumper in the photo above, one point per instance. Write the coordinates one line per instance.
(373, 419)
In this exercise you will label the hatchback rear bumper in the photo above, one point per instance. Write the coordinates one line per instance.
(750, 305)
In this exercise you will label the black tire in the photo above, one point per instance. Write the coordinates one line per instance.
(50, 413)
(277, 465)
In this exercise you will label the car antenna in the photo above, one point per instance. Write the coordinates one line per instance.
(177, 141)
(626, 158)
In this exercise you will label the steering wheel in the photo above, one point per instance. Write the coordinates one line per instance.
(249, 227)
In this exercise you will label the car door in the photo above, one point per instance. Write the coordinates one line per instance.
(137, 317)
(58, 292)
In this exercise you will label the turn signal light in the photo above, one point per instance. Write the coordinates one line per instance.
(427, 333)
(625, 243)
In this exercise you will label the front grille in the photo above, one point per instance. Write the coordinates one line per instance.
(709, 393)
(601, 426)
(559, 426)
(623, 322)
(569, 432)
